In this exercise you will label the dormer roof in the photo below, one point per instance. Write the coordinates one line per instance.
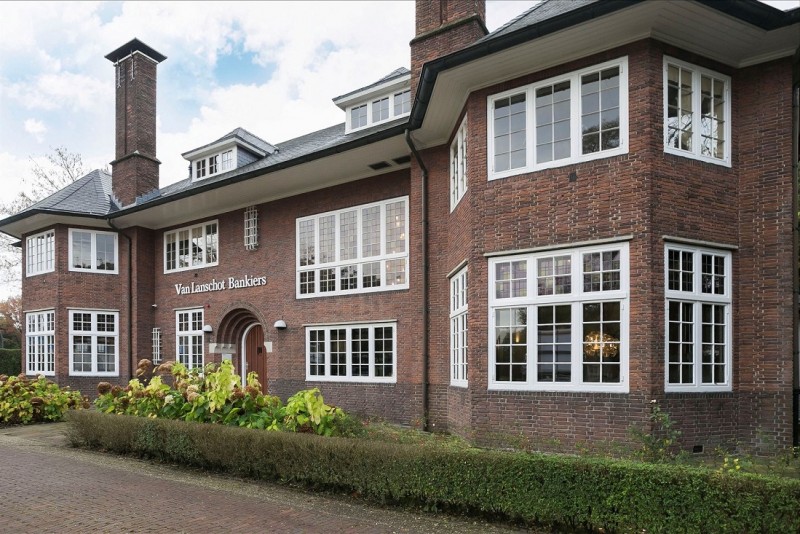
(239, 137)
(395, 79)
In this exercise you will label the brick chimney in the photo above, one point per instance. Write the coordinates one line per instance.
(444, 26)
(135, 167)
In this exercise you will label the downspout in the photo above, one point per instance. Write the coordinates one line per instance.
(796, 249)
(130, 295)
(425, 353)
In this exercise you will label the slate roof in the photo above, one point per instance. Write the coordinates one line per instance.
(542, 11)
(241, 134)
(396, 73)
(327, 138)
(89, 195)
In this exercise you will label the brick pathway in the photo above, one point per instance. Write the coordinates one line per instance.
(48, 487)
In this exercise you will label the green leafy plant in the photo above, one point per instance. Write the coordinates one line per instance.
(659, 443)
(216, 396)
(37, 400)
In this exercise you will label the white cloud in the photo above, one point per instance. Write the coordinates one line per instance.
(36, 128)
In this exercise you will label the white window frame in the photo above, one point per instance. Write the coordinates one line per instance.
(176, 232)
(349, 127)
(93, 251)
(576, 299)
(459, 347)
(40, 332)
(458, 165)
(348, 377)
(200, 169)
(697, 298)
(40, 253)
(157, 345)
(360, 260)
(226, 164)
(251, 228)
(697, 73)
(575, 121)
(399, 102)
(94, 333)
(192, 334)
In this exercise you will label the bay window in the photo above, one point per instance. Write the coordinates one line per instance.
(559, 320)
(563, 120)
(40, 343)
(93, 251)
(93, 343)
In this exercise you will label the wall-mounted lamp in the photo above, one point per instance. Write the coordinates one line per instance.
(154, 306)
(207, 329)
(280, 324)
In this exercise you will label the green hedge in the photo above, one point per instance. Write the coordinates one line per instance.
(10, 362)
(571, 492)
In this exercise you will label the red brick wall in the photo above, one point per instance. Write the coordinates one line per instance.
(275, 258)
(646, 194)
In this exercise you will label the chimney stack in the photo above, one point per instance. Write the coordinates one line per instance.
(135, 167)
(442, 27)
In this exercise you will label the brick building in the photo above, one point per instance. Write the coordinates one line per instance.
(533, 232)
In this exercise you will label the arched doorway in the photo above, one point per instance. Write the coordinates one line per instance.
(254, 357)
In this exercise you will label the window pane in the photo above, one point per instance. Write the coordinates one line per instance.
(509, 132)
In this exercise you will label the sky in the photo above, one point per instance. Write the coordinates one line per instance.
(269, 67)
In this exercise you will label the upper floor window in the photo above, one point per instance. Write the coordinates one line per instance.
(227, 160)
(191, 247)
(358, 116)
(352, 353)
(251, 228)
(93, 251)
(380, 109)
(698, 319)
(697, 111)
(212, 164)
(189, 338)
(568, 119)
(354, 250)
(200, 168)
(40, 343)
(559, 320)
(458, 165)
(94, 343)
(458, 328)
(402, 103)
(40, 253)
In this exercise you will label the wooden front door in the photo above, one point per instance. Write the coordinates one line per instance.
(255, 355)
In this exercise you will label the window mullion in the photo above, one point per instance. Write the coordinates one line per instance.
(533, 347)
(371, 345)
(575, 110)
(577, 343)
(530, 126)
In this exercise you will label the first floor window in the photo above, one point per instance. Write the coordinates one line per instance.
(559, 320)
(251, 228)
(458, 328)
(40, 253)
(40, 343)
(352, 353)
(189, 329)
(94, 343)
(458, 165)
(698, 319)
(191, 247)
(364, 248)
(576, 117)
(93, 251)
(697, 111)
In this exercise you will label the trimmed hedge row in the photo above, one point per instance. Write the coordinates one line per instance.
(10, 362)
(573, 492)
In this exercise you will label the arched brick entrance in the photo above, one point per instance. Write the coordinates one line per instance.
(242, 335)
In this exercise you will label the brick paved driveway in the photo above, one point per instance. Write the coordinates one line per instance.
(48, 487)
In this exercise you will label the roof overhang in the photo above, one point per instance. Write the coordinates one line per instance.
(36, 220)
(326, 168)
(738, 34)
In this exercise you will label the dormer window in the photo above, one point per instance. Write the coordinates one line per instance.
(227, 160)
(235, 149)
(358, 116)
(385, 100)
(402, 103)
(380, 110)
